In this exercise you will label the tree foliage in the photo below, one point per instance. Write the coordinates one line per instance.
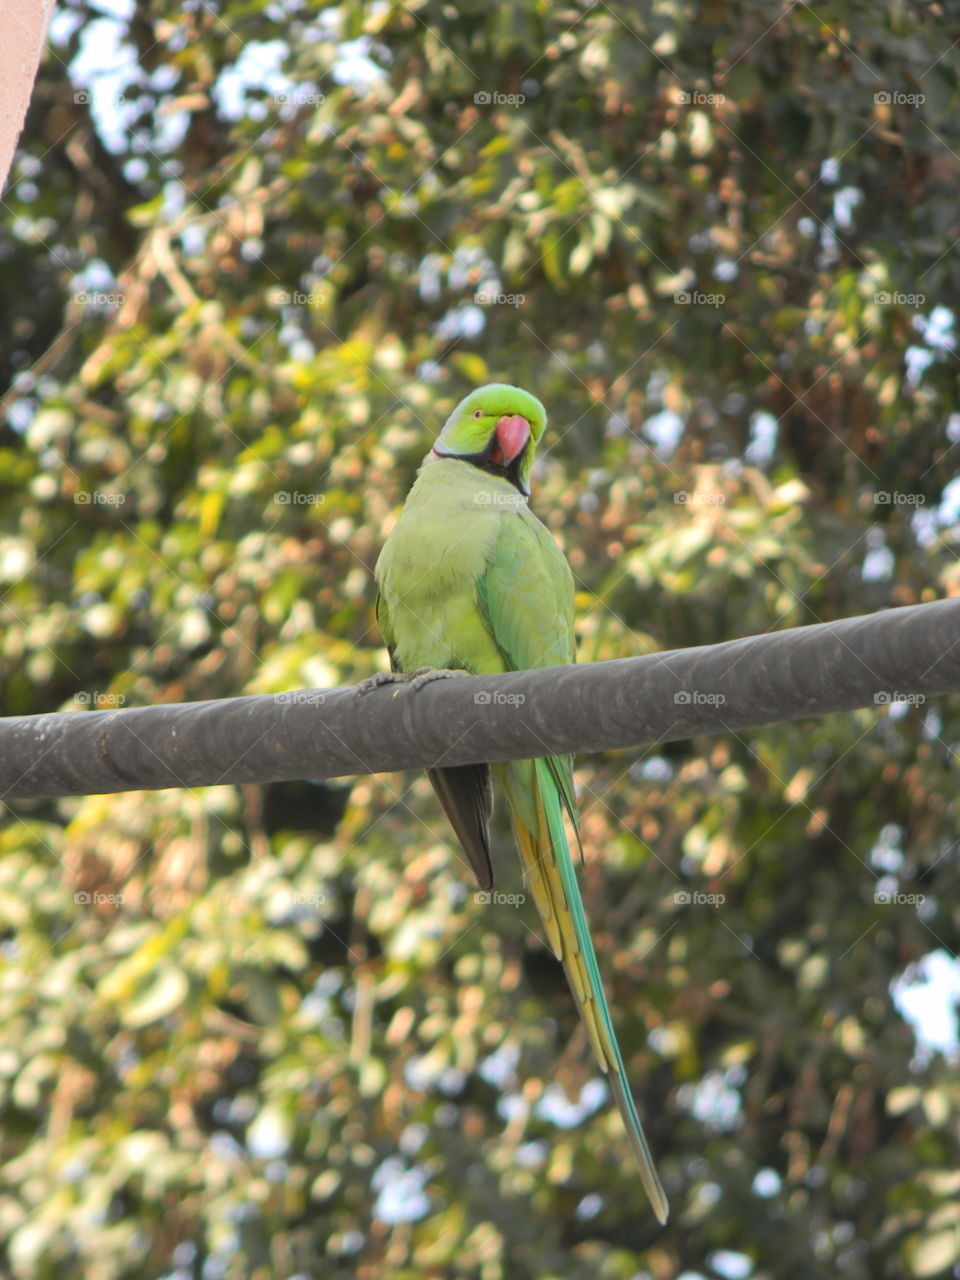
(255, 253)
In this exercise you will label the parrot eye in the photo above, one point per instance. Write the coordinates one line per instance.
(478, 413)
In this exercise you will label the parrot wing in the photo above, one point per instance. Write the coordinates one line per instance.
(465, 791)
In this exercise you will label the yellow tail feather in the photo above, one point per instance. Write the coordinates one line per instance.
(543, 877)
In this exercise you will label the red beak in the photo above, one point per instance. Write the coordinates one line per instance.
(513, 432)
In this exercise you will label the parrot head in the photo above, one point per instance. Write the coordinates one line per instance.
(496, 428)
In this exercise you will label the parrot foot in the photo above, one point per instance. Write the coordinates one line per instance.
(415, 679)
(423, 675)
(381, 678)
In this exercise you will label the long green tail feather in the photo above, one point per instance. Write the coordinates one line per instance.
(550, 795)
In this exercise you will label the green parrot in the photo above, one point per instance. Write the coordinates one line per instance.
(470, 580)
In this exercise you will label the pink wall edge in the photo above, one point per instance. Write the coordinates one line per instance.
(23, 30)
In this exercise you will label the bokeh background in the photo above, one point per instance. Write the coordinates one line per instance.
(252, 255)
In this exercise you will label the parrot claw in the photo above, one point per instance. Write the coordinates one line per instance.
(381, 678)
(415, 679)
(424, 675)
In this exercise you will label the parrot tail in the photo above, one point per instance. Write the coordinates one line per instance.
(552, 879)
